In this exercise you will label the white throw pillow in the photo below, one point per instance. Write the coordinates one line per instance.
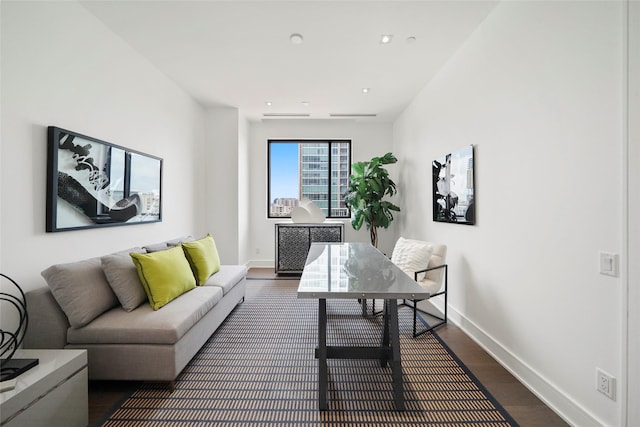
(411, 256)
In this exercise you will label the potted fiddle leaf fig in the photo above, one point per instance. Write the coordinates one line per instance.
(369, 184)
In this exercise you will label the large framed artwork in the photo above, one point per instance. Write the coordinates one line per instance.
(453, 187)
(93, 183)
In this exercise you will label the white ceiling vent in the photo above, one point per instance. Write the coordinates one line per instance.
(285, 115)
(338, 115)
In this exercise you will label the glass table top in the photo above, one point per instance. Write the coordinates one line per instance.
(354, 270)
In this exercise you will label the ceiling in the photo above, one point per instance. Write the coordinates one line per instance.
(239, 54)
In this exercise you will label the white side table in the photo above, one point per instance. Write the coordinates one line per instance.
(53, 393)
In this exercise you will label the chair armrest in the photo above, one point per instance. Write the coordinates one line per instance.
(415, 274)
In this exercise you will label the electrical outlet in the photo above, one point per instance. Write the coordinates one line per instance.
(606, 384)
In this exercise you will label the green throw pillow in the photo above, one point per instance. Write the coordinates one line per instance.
(203, 257)
(165, 275)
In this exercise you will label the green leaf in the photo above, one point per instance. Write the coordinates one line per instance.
(369, 184)
(388, 159)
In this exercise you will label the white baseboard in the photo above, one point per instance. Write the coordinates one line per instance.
(261, 263)
(545, 390)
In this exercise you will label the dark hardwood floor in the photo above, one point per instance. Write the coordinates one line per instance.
(521, 403)
(104, 395)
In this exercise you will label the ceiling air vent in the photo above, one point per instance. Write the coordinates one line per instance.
(285, 115)
(350, 115)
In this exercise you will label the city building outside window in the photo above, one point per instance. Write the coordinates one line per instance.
(315, 169)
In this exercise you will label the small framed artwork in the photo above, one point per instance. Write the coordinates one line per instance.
(453, 187)
(93, 183)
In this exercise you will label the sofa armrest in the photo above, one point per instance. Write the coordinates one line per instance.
(47, 322)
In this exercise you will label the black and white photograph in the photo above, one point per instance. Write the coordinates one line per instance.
(453, 187)
(92, 183)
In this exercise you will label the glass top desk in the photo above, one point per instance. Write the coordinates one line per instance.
(357, 271)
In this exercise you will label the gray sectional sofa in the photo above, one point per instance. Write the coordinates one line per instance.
(95, 304)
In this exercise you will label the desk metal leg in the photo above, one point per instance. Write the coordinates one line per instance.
(388, 352)
(385, 334)
(322, 354)
(396, 363)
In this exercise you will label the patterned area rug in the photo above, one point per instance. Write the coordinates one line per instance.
(258, 369)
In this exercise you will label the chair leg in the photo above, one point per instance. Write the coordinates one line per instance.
(363, 302)
(441, 319)
(415, 318)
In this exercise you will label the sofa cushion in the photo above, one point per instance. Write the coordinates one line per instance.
(411, 256)
(81, 289)
(203, 257)
(165, 275)
(227, 277)
(123, 278)
(148, 326)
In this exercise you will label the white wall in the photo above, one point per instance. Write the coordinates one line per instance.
(244, 193)
(62, 67)
(538, 89)
(633, 192)
(222, 176)
(367, 140)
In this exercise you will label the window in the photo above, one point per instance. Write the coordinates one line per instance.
(316, 170)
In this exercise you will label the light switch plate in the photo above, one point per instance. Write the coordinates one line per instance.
(608, 264)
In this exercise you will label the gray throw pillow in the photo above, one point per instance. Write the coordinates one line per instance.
(179, 240)
(155, 247)
(81, 289)
(123, 278)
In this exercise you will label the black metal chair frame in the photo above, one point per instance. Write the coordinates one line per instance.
(441, 319)
(374, 313)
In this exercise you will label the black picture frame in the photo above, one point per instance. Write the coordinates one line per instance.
(93, 183)
(454, 198)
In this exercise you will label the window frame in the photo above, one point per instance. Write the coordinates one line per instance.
(329, 143)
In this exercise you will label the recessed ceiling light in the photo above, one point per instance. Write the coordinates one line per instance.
(305, 103)
(411, 39)
(386, 38)
(268, 103)
(296, 38)
(365, 90)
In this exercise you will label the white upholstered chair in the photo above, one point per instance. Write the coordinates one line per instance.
(425, 262)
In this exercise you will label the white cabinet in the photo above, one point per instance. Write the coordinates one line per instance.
(53, 393)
